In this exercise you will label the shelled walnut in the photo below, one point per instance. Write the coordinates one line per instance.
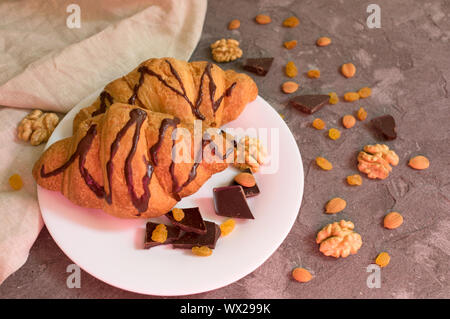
(339, 239)
(250, 153)
(226, 50)
(376, 161)
(37, 127)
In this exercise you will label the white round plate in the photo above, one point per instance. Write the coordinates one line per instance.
(110, 248)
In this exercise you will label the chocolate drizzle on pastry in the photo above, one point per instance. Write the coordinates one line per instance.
(165, 124)
(193, 172)
(81, 152)
(137, 116)
(215, 104)
(141, 203)
(103, 97)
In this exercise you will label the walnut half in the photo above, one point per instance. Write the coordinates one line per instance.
(250, 153)
(226, 50)
(37, 127)
(376, 161)
(338, 239)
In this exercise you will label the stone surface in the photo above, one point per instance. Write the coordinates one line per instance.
(406, 64)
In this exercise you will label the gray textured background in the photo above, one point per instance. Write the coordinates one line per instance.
(407, 64)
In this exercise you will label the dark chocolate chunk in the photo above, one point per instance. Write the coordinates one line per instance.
(386, 126)
(230, 201)
(309, 103)
(173, 233)
(192, 221)
(189, 240)
(259, 66)
(249, 191)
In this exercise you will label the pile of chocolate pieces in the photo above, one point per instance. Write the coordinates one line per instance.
(193, 231)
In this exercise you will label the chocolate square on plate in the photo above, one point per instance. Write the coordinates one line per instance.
(249, 191)
(259, 66)
(230, 201)
(309, 103)
(173, 233)
(189, 240)
(192, 221)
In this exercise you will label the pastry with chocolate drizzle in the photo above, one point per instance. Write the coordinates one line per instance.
(123, 162)
(187, 90)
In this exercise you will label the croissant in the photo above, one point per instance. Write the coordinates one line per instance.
(123, 163)
(120, 157)
(187, 90)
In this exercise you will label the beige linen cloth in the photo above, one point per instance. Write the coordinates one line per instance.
(47, 65)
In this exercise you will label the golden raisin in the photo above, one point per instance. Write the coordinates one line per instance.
(334, 134)
(203, 251)
(313, 74)
(351, 96)
(301, 274)
(291, 22)
(348, 121)
(291, 69)
(383, 259)
(323, 163)
(263, 19)
(334, 99)
(323, 41)
(354, 180)
(177, 214)
(318, 124)
(227, 227)
(15, 181)
(364, 92)
(159, 234)
(361, 114)
(290, 44)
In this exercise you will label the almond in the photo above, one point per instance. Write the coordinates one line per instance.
(419, 162)
(323, 41)
(245, 179)
(289, 87)
(301, 274)
(393, 220)
(348, 70)
(234, 24)
(348, 121)
(335, 205)
(263, 19)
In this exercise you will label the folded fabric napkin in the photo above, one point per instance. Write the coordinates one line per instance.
(45, 64)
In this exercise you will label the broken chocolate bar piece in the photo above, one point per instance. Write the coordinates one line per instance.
(258, 66)
(173, 233)
(309, 103)
(230, 201)
(192, 221)
(189, 240)
(386, 126)
(249, 191)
